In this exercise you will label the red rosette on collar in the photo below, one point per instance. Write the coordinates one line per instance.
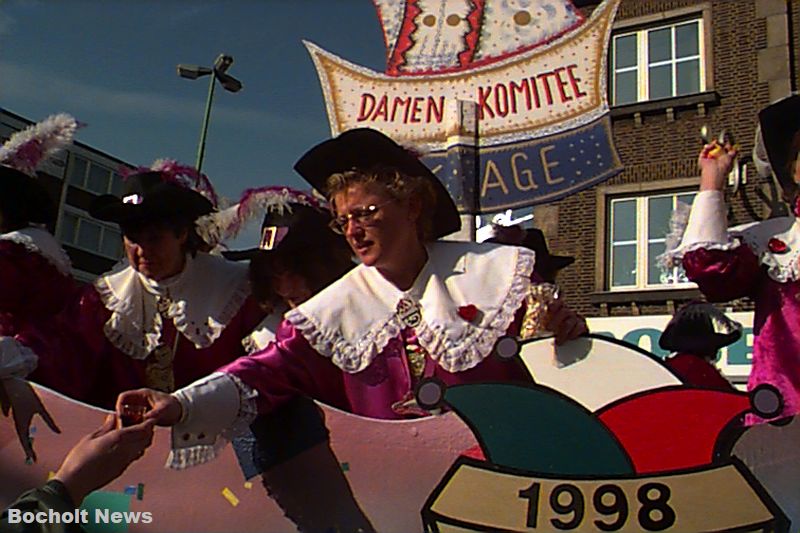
(777, 246)
(468, 312)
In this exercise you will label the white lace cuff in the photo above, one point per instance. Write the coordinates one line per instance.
(707, 224)
(707, 227)
(216, 409)
(16, 360)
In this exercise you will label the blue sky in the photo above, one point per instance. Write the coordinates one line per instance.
(112, 64)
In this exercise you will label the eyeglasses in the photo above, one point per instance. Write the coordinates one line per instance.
(364, 216)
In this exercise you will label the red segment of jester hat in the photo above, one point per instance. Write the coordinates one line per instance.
(673, 429)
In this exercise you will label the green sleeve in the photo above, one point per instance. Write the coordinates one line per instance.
(53, 495)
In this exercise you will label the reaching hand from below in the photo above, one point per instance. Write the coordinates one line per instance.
(18, 395)
(102, 456)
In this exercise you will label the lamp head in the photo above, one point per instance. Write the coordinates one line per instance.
(229, 83)
(192, 72)
(222, 63)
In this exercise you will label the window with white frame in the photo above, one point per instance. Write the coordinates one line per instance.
(94, 177)
(87, 234)
(658, 62)
(637, 234)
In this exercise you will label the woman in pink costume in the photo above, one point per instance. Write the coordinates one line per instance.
(168, 315)
(757, 260)
(415, 307)
(35, 280)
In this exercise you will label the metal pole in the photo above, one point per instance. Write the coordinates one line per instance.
(62, 196)
(201, 149)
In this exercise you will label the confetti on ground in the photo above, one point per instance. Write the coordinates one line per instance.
(248, 485)
(130, 490)
(345, 467)
(50, 475)
(140, 491)
(32, 431)
(230, 496)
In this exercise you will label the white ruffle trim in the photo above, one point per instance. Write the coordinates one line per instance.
(250, 345)
(781, 267)
(137, 335)
(457, 355)
(675, 257)
(701, 226)
(452, 354)
(210, 330)
(264, 333)
(181, 458)
(16, 360)
(43, 243)
(352, 357)
(121, 329)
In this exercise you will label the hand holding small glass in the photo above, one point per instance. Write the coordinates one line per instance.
(161, 407)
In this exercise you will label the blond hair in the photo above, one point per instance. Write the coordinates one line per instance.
(398, 185)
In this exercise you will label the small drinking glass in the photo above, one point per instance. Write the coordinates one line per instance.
(131, 414)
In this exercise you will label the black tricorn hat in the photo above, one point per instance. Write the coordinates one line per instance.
(149, 196)
(547, 265)
(779, 123)
(23, 199)
(366, 148)
(699, 328)
(534, 240)
(295, 227)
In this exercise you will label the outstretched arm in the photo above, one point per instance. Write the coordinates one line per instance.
(18, 395)
(97, 459)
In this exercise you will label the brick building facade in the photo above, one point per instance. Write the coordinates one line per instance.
(744, 51)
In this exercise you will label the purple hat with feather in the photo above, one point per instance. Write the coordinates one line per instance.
(166, 189)
(291, 219)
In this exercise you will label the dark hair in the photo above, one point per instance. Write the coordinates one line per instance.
(24, 201)
(176, 224)
(319, 265)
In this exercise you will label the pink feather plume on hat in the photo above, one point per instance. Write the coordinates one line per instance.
(227, 223)
(25, 149)
(182, 175)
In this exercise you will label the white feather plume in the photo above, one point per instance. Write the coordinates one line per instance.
(25, 149)
(226, 224)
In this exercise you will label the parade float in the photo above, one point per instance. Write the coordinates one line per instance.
(506, 102)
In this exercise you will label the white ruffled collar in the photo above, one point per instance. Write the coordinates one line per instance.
(204, 298)
(352, 320)
(782, 266)
(42, 242)
(264, 333)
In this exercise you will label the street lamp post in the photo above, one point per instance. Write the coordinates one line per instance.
(228, 82)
